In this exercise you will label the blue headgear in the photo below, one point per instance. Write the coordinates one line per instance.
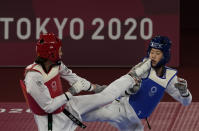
(164, 44)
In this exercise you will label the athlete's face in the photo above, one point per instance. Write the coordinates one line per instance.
(155, 55)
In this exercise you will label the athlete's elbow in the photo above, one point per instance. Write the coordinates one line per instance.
(48, 109)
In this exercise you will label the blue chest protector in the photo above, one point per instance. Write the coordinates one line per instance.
(151, 92)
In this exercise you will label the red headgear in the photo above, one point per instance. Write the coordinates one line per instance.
(48, 47)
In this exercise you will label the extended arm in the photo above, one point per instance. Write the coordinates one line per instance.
(78, 83)
(179, 91)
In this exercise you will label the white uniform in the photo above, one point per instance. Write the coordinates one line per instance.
(123, 116)
(77, 105)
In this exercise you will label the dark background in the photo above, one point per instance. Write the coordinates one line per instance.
(188, 69)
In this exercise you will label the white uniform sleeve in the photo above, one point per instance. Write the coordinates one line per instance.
(36, 88)
(174, 92)
(72, 78)
(68, 75)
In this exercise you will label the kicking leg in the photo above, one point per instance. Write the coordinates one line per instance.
(85, 103)
(117, 88)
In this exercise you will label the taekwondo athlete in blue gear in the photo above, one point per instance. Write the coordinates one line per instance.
(153, 86)
(141, 100)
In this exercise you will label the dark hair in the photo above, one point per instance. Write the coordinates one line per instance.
(40, 60)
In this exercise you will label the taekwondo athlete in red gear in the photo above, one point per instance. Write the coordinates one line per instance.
(141, 100)
(54, 109)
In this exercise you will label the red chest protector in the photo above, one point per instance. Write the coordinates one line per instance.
(51, 80)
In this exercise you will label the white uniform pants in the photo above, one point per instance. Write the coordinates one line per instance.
(118, 113)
